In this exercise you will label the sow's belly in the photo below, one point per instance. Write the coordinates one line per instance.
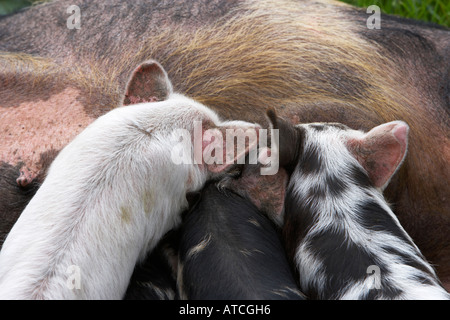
(34, 131)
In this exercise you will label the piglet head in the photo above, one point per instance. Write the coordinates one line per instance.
(380, 151)
(208, 143)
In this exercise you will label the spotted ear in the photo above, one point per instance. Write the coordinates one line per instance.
(148, 83)
(381, 151)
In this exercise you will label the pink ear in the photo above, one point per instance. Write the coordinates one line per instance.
(218, 156)
(148, 83)
(381, 151)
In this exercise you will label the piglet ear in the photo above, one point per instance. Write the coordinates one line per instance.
(148, 83)
(290, 141)
(228, 144)
(381, 151)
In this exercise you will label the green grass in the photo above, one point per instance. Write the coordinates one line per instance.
(10, 6)
(437, 11)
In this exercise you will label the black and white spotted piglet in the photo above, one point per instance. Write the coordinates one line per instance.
(343, 238)
(229, 249)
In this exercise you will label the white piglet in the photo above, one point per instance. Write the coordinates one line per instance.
(110, 195)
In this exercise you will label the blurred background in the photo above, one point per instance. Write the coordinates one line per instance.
(436, 11)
